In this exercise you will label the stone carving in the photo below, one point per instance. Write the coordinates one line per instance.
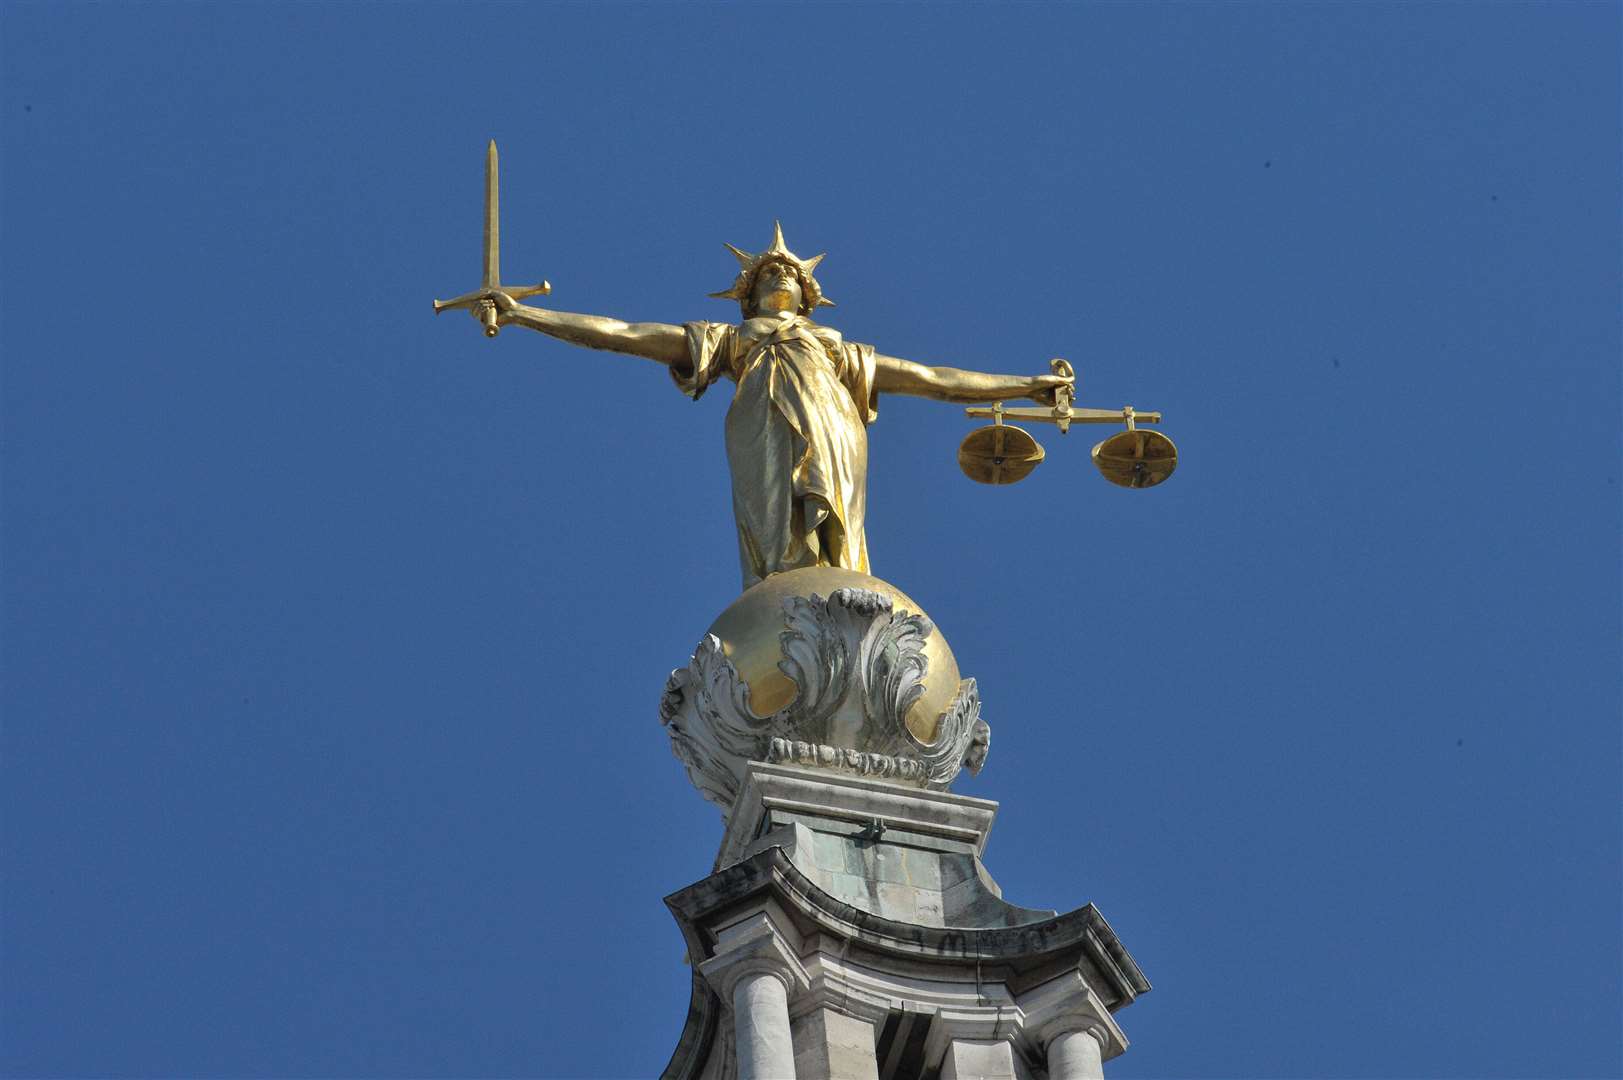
(858, 667)
(879, 766)
(706, 712)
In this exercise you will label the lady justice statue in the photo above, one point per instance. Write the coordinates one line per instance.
(818, 662)
(796, 441)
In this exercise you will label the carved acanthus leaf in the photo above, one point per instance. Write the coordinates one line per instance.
(894, 666)
(706, 712)
(814, 658)
(955, 737)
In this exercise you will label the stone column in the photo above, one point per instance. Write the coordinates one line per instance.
(761, 1024)
(1075, 1055)
(755, 969)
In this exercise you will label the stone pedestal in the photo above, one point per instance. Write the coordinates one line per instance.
(851, 931)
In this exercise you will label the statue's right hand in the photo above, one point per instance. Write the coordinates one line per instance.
(494, 310)
(496, 302)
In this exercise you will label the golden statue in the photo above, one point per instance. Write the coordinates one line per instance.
(797, 444)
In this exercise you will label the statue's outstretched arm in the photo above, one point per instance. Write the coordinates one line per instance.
(655, 341)
(896, 376)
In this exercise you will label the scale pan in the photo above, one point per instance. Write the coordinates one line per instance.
(999, 454)
(1136, 459)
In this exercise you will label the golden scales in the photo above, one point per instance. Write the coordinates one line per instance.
(1002, 453)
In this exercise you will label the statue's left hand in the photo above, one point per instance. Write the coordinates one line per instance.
(1043, 387)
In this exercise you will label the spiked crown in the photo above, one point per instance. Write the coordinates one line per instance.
(750, 266)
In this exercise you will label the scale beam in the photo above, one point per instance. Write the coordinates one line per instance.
(1062, 413)
(1065, 416)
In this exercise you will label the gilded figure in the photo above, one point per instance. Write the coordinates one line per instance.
(796, 431)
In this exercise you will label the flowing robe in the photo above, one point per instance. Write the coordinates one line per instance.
(797, 441)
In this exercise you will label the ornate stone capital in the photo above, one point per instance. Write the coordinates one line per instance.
(754, 946)
(1066, 1004)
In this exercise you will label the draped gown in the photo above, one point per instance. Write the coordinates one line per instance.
(797, 442)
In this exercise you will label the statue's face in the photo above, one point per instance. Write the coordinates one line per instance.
(777, 288)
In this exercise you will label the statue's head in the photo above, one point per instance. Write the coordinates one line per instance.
(775, 280)
(777, 287)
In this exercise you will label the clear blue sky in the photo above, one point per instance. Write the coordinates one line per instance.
(334, 633)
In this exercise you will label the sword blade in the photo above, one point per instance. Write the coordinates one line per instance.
(493, 225)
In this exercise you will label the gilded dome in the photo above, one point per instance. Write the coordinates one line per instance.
(751, 632)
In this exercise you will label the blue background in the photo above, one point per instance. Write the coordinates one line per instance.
(334, 633)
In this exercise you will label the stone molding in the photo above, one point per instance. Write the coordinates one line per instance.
(856, 990)
(861, 762)
(989, 1023)
(768, 788)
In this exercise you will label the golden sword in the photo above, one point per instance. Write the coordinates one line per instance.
(479, 301)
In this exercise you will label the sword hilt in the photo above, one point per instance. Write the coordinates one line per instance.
(480, 305)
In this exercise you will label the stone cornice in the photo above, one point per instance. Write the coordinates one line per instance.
(769, 787)
(712, 913)
(1083, 933)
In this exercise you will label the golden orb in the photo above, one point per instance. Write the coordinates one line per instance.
(750, 627)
